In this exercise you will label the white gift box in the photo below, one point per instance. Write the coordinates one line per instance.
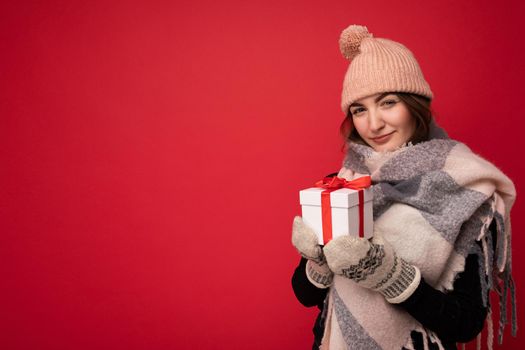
(344, 212)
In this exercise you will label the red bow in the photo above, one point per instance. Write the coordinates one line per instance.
(334, 182)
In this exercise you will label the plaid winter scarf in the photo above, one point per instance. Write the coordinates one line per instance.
(432, 202)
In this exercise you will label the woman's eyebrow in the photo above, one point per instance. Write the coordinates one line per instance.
(378, 98)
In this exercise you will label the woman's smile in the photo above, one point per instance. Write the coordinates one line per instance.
(383, 138)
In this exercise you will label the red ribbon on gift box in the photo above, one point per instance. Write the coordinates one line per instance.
(333, 183)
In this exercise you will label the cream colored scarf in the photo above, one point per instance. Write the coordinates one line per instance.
(432, 201)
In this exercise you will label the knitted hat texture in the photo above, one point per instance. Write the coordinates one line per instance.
(377, 65)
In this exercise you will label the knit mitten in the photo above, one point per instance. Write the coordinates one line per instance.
(319, 274)
(305, 241)
(373, 264)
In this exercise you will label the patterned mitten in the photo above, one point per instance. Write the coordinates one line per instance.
(373, 264)
(319, 274)
(305, 241)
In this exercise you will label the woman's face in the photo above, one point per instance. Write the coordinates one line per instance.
(383, 121)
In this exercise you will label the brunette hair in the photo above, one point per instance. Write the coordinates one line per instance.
(419, 107)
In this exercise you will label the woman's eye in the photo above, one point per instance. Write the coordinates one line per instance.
(389, 102)
(357, 111)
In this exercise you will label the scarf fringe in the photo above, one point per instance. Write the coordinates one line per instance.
(502, 312)
(409, 345)
(486, 254)
(490, 329)
(435, 340)
(508, 288)
(426, 334)
(502, 283)
(514, 327)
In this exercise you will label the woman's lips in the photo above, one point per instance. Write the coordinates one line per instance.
(383, 138)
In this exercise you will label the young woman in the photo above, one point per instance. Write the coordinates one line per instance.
(441, 237)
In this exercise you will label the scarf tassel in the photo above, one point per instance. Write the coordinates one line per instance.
(514, 327)
(490, 329)
(425, 339)
(426, 334)
(508, 288)
(435, 340)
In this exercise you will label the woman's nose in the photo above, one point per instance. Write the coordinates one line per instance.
(376, 121)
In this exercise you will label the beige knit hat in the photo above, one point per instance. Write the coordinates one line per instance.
(377, 65)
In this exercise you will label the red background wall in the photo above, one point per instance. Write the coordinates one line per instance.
(152, 153)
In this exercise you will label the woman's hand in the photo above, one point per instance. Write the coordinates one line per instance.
(306, 242)
(373, 264)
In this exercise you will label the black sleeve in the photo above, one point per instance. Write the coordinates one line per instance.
(307, 294)
(457, 316)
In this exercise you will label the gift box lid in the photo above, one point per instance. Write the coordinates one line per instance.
(342, 198)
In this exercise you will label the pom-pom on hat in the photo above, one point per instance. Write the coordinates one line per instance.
(377, 65)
